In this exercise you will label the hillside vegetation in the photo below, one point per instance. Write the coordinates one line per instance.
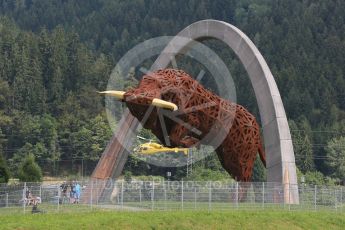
(54, 56)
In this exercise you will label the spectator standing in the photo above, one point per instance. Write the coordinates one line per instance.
(64, 187)
(77, 192)
(72, 193)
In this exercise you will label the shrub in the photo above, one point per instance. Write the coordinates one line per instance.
(29, 170)
(4, 173)
(128, 176)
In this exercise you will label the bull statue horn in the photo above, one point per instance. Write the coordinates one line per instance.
(117, 94)
(164, 104)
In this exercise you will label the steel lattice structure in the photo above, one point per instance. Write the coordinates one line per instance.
(201, 114)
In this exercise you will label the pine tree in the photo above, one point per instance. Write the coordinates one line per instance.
(302, 147)
(307, 156)
(56, 66)
(28, 85)
(259, 172)
(336, 157)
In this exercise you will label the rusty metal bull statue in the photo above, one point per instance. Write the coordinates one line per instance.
(193, 115)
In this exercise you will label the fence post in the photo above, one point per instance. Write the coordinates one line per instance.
(194, 197)
(41, 191)
(91, 194)
(140, 193)
(315, 197)
(152, 194)
(263, 194)
(24, 197)
(97, 197)
(335, 199)
(182, 194)
(289, 196)
(209, 197)
(165, 196)
(341, 199)
(236, 195)
(7, 200)
(58, 200)
(122, 194)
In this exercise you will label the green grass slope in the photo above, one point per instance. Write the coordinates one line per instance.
(176, 220)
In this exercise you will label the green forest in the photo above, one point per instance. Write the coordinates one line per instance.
(56, 54)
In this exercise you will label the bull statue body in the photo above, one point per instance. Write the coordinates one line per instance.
(193, 115)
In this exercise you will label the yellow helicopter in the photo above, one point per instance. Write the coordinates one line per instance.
(151, 148)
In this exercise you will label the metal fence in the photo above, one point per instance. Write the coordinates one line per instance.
(166, 195)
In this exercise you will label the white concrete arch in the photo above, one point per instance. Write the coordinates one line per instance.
(281, 166)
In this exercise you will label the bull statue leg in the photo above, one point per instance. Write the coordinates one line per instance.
(238, 152)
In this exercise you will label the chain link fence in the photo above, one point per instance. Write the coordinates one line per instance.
(165, 195)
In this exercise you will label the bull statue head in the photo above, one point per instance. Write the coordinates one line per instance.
(156, 92)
